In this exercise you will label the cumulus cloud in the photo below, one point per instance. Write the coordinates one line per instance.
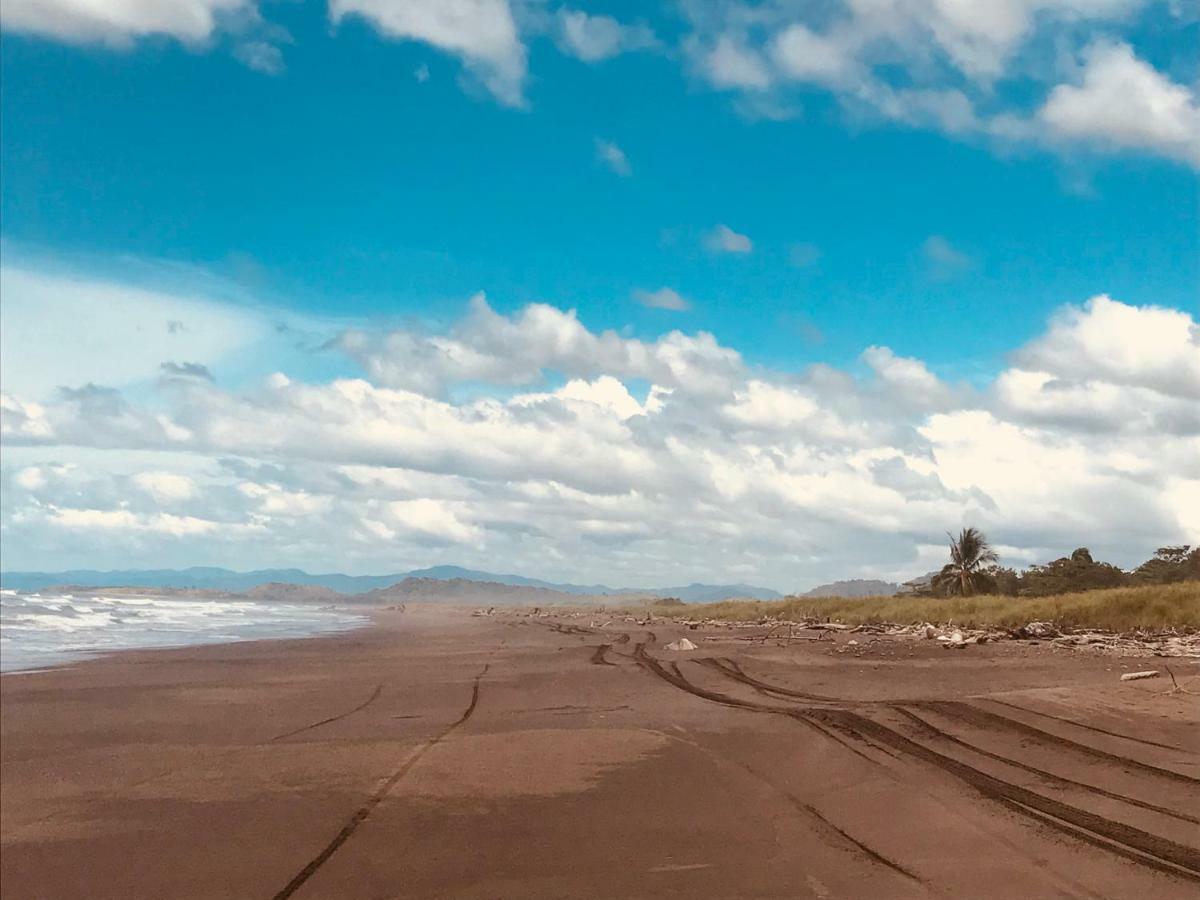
(600, 456)
(519, 349)
(118, 22)
(613, 157)
(592, 38)
(960, 62)
(482, 33)
(723, 239)
(1122, 102)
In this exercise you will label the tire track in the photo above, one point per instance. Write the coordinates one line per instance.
(381, 792)
(1140, 846)
(374, 696)
(872, 854)
(983, 719)
(936, 732)
(729, 667)
(1116, 734)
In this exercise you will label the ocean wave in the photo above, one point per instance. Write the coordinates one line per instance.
(39, 630)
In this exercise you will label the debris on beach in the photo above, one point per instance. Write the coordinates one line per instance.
(1038, 630)
(1138, 676)
(681, 644)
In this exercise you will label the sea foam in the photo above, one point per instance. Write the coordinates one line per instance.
(39, 630)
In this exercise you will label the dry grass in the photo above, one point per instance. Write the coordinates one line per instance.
(1115, 609)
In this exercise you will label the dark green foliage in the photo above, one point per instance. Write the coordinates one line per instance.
(1004, 581)
(1077, 572)
(1169, 565)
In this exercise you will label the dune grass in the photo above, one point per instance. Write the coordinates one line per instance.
(1151, 607)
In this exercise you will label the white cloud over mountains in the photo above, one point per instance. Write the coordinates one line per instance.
(531, 442)
(1057, 74)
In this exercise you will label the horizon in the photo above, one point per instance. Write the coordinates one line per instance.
(641, 295)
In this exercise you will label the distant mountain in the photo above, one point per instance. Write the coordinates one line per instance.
(212, 578)
(857, 587)
(713, 593)
(463, 590)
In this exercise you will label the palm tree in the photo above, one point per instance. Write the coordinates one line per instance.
(970, 553)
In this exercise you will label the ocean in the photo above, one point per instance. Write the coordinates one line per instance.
(40, 630)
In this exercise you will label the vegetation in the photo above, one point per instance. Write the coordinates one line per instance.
(970, 553)
(1074, 591)
(974, 566)
(1149, 607)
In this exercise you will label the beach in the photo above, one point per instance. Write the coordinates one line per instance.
(435, 753)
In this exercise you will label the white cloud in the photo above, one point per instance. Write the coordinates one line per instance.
(663, 298)
(573, 453)
(804, 56)
(943, 259)
(968, 68)
(261, 56)
(594, 38)
(123, 520)
(729, 64)
(489, 347)
(165, 487)
(613, 157)
(723, 239)
(118, 22)
(1147, 346)
(182, 330)
(482, 33)
(1122, 102)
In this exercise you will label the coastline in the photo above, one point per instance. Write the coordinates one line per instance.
(542, 757)
(44, 631)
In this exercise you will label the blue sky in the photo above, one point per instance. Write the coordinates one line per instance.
(345, 184)
(937, 185)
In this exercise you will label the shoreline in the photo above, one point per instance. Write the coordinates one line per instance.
(508, 755)
(32, 641)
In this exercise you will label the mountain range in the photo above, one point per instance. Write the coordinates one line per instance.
(212, 578)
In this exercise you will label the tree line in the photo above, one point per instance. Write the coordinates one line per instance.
(974, 568)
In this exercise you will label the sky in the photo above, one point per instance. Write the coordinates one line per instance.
(631, 293)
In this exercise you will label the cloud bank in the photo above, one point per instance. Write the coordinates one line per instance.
(532, 442)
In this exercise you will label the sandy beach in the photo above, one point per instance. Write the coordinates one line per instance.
(436, 754)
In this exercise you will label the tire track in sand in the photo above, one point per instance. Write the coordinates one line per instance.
(1142, 847)
(374, 696)
(381, 792)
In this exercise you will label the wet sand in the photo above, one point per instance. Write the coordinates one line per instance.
(436, 754)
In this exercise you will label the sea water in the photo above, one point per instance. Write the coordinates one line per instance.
(39, 630)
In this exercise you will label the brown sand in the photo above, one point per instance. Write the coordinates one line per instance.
(441, 755)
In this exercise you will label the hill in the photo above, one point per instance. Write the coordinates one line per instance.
(856, 587)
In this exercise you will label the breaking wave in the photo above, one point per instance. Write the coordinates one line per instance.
(39, 630)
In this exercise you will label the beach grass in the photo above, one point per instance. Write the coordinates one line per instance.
(1151, 607)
